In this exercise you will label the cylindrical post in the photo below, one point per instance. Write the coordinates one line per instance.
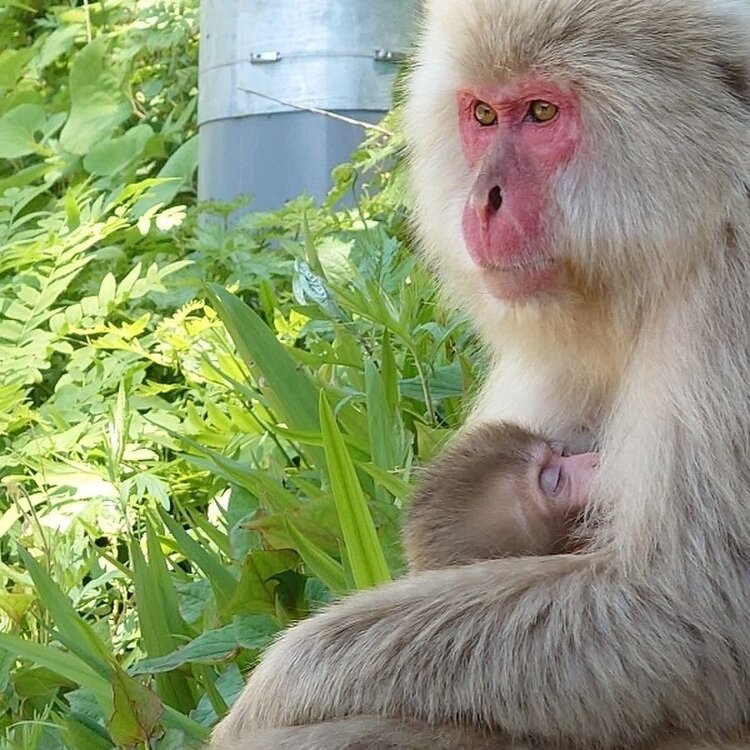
(257, 57)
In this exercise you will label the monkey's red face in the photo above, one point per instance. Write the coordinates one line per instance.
(516, 138)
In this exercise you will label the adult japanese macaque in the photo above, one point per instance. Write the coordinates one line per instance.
(498, 491)
(580, 174)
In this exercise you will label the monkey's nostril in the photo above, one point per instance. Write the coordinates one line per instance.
(495, 199)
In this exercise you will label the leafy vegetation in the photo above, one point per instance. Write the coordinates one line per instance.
(208, 427)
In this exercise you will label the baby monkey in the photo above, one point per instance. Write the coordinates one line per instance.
(498, 491)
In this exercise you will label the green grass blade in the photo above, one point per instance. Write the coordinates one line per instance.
(72, 630)
(363, 548)
(222, 581)
(295, 394)
(255, 482)
(159, 615)
(391, 483)
(380, 418)
(318, 562)
(389, 372)
(60, 662)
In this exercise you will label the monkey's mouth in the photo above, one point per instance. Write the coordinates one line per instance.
(522, 280)
(531, 265)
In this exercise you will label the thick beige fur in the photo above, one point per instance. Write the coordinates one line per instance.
(647, 357)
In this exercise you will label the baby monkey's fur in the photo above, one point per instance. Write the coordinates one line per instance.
(485, 498)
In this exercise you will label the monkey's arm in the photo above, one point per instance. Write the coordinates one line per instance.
(556, 648)
(371, 732)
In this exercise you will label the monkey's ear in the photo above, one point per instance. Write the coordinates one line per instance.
(735, 77)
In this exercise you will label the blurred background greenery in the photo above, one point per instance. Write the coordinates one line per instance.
(208, 428)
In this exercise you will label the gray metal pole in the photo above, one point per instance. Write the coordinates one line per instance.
(336, 55)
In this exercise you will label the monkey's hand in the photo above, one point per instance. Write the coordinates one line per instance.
(557, 648)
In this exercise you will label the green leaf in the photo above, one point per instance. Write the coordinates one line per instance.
(431, 441)
(57, 44)
(317, 561)
(18, 129)
(137, 714)
(60, 662)
(209, 647)
(159, 616)
(222, 581)
(15, 605)
(266, 488)
(253, 632)
(76, 634)
(381, 419)
(24, 177)
(116, 154)
(295, 395)
(316, 519)
(12, 62)
(176, 175)
(363, 548)
(445, 382)
(78, 734)
(391, 482)
(97, 106)
(256, 592)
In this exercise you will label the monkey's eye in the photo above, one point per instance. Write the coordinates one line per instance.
(484, 114)
(541, 111)
(549, 478)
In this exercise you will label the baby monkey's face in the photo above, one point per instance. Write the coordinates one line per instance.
(536, 502)
(499, 491)
(558, 481)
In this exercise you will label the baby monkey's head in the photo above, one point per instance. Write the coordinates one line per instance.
(498, 491)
